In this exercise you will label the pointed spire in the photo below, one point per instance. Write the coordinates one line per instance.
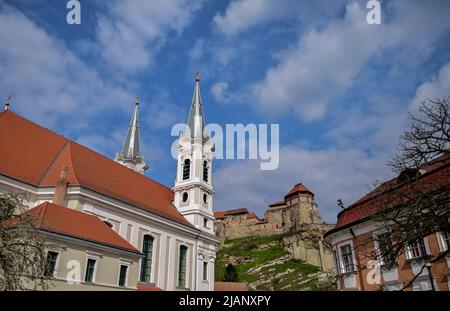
(196, 120)
(130, 147)
(130, 155)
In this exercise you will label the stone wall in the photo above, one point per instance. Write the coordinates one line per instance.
(297, 217)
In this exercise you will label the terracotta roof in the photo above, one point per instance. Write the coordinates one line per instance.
(433, 176)
(222, 214)
(35, 155)
(147, 288)
(62, 220)
(219, 214)
(278, 203)
(299, 188)
(230, 287)
(252, 215)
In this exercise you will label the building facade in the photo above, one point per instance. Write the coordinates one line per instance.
(175, 250)
(359, 239)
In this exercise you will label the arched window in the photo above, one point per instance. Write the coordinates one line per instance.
(147, 251)
(205, 171)
(186, 169)
(182, 267)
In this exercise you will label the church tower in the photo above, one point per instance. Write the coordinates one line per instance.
(193, 187)
(130, 155)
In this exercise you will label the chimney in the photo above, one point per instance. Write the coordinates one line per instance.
(61, 187)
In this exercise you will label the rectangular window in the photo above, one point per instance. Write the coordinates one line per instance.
(384, 246)
(335, 260)
(444, 241)
(417, 249)
(90, 269)
(205, 271)
(347, 258)
(51, 263)
(146, 266)
(123, 275)
(182, 267)
(205, 222)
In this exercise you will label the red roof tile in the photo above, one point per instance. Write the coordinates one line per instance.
(35, 155)
(222, 214)
(63, 220)
(219, 214)
(299, 188)
(278, 203)
(147, 288)
(433, 175)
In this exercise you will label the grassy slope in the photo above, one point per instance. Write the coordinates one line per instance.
(260, 250)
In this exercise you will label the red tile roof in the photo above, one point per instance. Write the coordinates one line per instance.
(219, 214)
(222, 214)
(278, 203)
(147, 288)
(299, 188)
(433, 175)
(57, 219)
(35, 155)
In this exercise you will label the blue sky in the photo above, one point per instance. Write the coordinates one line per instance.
(340, 89)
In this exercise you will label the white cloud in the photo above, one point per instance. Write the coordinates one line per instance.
(219, 91)
(47, 80)
(324, 63)
(135, 30)
(244, 14)
(437, 87)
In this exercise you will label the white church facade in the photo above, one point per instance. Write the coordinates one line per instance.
(124, 230)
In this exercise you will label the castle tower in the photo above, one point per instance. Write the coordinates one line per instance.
(301, 206)
(130, 155)
(193, 187)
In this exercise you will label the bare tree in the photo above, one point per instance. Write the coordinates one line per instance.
(416, 204)
(23, 257)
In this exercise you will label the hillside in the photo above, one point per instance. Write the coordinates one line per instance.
(264, 263)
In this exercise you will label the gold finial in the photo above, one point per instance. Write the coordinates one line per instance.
(197, 76)
(7, 103)
(137, 100)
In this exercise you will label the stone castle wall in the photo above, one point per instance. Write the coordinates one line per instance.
(297, 217)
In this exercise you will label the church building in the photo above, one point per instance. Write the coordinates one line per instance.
(107, 225)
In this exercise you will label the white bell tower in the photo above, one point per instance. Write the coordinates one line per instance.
(193, 187)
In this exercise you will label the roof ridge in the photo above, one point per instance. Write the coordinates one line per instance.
(53, 162)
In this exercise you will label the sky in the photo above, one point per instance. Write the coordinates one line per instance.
(339, 88)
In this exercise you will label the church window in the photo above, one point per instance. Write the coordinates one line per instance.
(205, 222)
(182, 267)
(205, 171)
(185, 197)
(205, 198)
(147, 251)
(186, 169)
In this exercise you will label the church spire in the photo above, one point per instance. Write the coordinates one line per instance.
(130, 155)
(196, 120)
